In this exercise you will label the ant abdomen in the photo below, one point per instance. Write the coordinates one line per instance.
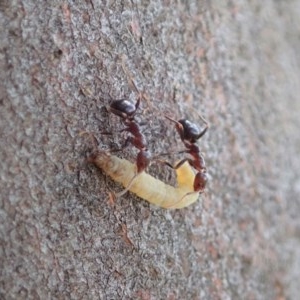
(200, 181)
(143, 160)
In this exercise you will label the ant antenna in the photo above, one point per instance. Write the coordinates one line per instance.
(94, 141)
(128, 75)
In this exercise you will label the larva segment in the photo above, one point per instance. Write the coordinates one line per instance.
(146, 186)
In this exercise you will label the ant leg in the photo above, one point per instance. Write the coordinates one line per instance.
(142, 162)
(170, 153)
(179, 164)
(186, 195)
(113, 132)
(110, 132)
(118, 195)
(127, 142)
(94, 141)
(133, 141)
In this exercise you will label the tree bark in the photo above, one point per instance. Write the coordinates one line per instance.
(236, 63)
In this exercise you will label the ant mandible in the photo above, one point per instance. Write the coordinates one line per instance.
(189, 134)
(126, 110)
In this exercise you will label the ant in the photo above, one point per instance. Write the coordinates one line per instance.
(189, 134)
(126, 110)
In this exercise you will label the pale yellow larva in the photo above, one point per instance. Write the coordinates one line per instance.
(146, 186)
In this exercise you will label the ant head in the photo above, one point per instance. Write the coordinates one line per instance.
(188, 130)
(124, 108)
(200, 181)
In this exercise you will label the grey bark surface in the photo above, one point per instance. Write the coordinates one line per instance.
(236, 63)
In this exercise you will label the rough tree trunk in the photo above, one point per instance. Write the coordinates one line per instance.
(237, 64)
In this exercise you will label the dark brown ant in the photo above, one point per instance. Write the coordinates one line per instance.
(189, 134)
(126, 110)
